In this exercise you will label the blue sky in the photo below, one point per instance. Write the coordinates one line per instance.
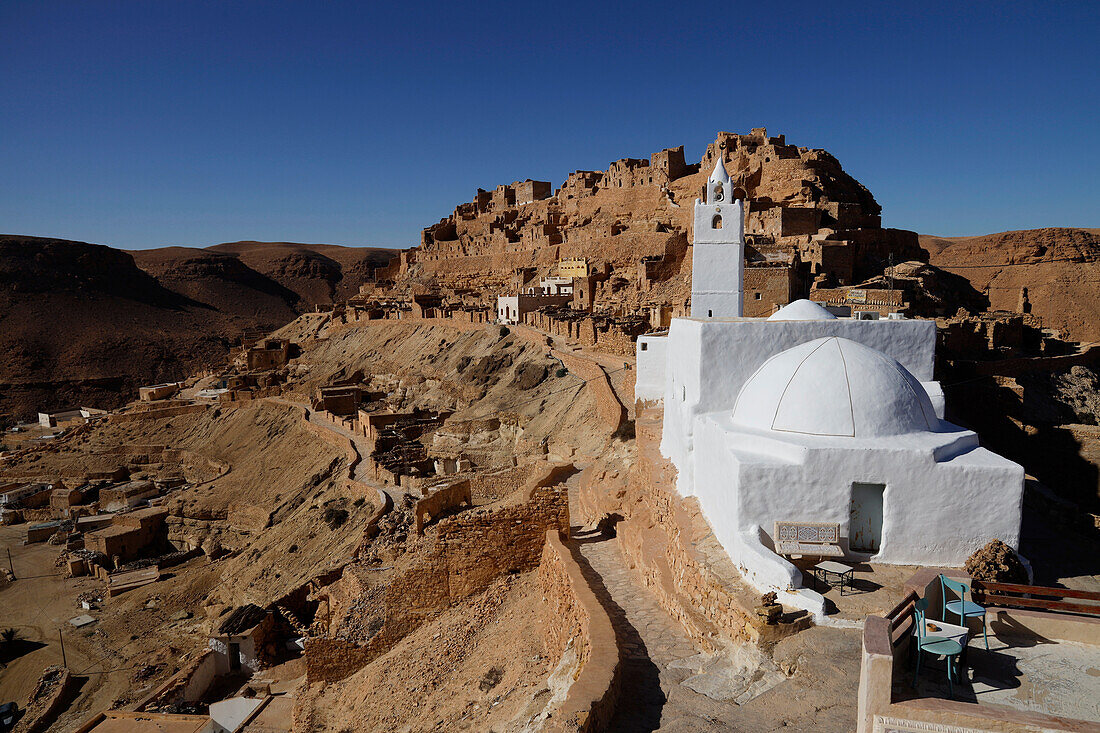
(142, 124)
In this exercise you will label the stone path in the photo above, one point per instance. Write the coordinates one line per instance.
(661, 665)
(653, 697)
(669, 685)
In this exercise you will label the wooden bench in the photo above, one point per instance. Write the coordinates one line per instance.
(817, 539)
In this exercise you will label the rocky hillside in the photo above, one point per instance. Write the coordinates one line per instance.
(1059, 268)
(86, 324)
(806, 221)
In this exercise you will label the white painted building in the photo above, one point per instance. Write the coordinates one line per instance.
(806, 417)
(554, 286)
(512, 308)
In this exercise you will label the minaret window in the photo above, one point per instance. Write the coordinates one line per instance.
(716, 222)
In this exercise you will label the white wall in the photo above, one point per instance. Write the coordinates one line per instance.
(221, 645)
(652, 353)
(945, 496)
(766, 571)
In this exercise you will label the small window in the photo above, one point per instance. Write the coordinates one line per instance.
(710, 314)
(683, 394)
(756, 295)
(716, 222)
(645, 346)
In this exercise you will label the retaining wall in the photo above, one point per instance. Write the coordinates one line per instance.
(658, 535)
(575, 614)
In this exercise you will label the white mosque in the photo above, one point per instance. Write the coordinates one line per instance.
(806, 417)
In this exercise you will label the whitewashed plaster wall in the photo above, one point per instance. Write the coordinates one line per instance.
(649, 383)
(945, 496)
(506, 306)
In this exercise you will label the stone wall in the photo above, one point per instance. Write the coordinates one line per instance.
(480, 544)
(187, 685)
(611, 412)
(47, 700)
(456, 558)
(495, 486)
(155, 414)
(441, 501)
(331, 660)
(598, 333)
(767, 287)
(575, 616)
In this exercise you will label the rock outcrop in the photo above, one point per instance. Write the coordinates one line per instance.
(806, 220)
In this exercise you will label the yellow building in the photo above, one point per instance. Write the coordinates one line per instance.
(573, 267)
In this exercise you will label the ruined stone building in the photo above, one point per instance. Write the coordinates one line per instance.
(627, 237)
(270, 354)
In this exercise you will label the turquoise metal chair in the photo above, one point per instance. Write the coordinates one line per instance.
(950, 649)
(962, 608)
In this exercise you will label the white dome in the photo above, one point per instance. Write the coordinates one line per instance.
(802, 310)
(833, 386)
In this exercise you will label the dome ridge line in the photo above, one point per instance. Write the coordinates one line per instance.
(848, 384)
(794, 373)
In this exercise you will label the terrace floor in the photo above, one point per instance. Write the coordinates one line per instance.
(875, 589)
(1054, 677)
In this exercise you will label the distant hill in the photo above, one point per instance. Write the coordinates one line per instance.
(1059, 266)
(86, 324)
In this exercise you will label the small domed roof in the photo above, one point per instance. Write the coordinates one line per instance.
(720, 173)
(802, 310)
(836, 387)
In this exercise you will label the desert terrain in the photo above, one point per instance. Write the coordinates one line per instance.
(85, 324)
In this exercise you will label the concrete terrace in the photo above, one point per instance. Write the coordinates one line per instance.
(1060, 678)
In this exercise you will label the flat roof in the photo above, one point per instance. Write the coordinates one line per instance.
(276, 715)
